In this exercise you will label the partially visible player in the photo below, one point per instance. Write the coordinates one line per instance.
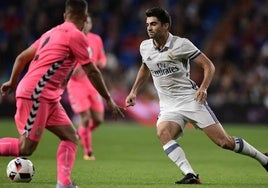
(52, 57)
(167, 59)
(84, 98)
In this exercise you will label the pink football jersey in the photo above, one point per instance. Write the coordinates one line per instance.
(96, 48)
(97, 54)
(58, 51)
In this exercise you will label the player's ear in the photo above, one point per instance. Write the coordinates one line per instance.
(166, 25)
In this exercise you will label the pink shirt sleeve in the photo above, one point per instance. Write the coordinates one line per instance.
(36, 44)
(101, 57)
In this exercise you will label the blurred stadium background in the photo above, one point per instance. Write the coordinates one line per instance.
(233, 34)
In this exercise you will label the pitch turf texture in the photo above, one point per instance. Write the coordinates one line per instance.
(130, 156)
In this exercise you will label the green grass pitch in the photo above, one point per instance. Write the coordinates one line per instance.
(130, 156)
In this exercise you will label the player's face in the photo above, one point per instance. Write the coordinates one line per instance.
(155, 28)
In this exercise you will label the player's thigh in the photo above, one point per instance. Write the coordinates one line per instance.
(200, 115)
(79, 101)
(60, 124)
(28, 124)
(172, 123)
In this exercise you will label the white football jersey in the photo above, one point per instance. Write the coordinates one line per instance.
(170, 70)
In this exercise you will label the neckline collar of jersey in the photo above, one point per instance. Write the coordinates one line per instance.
(166, 46)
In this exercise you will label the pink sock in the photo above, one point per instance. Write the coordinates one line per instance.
(9, 146)
(89, 132)
(83, 134)
(65, 161)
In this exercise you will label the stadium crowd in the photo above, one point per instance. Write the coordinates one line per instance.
(234, 34)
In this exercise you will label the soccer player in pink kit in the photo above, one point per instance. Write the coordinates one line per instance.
(84, 98)
(52, 56)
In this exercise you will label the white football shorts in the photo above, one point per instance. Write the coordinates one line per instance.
(200, 115)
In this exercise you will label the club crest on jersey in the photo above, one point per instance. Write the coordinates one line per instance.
(170, 55)
(163, 69)
(90, 52)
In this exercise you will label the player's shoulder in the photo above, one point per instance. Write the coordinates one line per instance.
(66, 30)
(93, 36)
(145, 44)
(70, 29)
(178, 40)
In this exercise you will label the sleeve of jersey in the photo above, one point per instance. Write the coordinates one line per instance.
(36, 44)
(78, 46)
(142, 49)
(189, 49)
(102, 56)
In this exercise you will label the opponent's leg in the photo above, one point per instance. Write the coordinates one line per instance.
(24, 146)
(83, 136)
(83, 131)
(66, 153)
(242, 147)
(17, 147)
(218, 135)
(65, 161)
(9, 146)
(94, 122)
(167, 132)
(97, 119)
(88, 155)
(177, 155)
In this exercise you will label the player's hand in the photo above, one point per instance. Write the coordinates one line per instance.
(115, 109)
(201, 96)
(6, 88)
(130, 100)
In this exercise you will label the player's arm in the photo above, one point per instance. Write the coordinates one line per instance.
(20, 63)
(96, 79)
(209, 70)
(142, 76)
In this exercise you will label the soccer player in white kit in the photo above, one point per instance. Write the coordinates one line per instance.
(167, 59)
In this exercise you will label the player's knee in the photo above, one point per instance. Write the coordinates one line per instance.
(98, 121)
(26, 149)
(76, 138)
(164, 136)
(85, 122)
(27, 146)
(73, 138)
(26, 152)
(160, 134)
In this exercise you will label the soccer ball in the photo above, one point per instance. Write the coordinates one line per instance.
(20, 170)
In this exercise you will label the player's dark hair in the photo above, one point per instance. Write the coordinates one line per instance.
(76, 7)
(161, 14)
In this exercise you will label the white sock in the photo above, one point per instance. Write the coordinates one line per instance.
(241, 146)
(177, 155)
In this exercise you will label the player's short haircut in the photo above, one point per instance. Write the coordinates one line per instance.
(77, 8)
(161, 14)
